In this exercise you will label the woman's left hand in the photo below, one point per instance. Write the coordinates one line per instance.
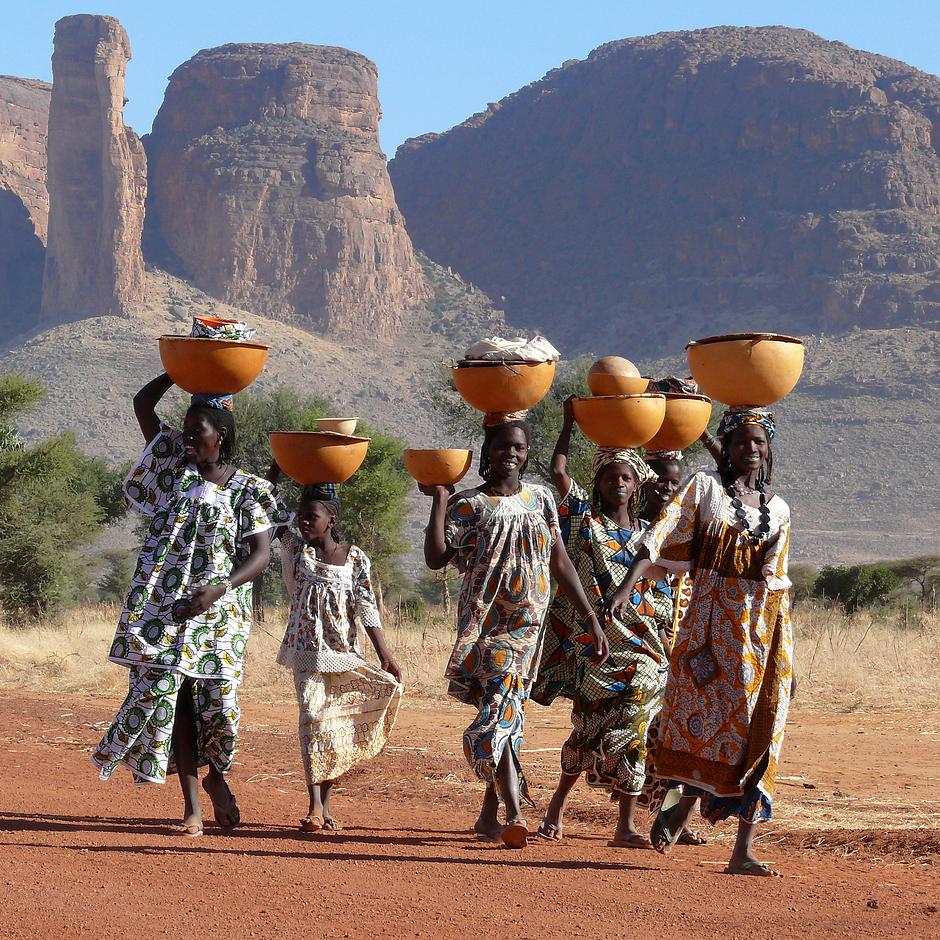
(203, 598)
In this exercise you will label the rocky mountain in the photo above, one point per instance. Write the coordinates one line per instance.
(97, 176)
(24, 202)
(268, 188)
(688, 183)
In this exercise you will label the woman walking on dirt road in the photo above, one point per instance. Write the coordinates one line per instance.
(185, 623)
(503, 536)
(729, 686)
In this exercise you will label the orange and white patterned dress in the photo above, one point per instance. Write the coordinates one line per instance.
(728, 691)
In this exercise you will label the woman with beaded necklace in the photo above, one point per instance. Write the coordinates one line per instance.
(722, 723)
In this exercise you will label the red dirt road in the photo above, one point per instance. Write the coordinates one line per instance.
(83, 858)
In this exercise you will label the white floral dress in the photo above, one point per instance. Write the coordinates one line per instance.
(347, 705)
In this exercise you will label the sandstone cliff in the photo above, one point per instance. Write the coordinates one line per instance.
(269, 190)
(24, 204)
(722, 178)
(97, 176)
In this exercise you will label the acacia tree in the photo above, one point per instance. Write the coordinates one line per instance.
(53, 500)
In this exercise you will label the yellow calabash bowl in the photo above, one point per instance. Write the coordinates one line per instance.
(620, 420)
(440, 466)
(685, 419)
(746, 368)
(504, 386)
(211, 366)
(318, 456)
(614, 375)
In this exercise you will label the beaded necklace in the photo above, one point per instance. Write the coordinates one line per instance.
(757, 535)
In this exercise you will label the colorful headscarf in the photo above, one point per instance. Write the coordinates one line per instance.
(663, 455)
(493, 419)
(320, 492)
(745, 415)
(675, 385)
(219, 402)
(605, 456)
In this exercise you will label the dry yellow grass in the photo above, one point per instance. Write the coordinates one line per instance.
(844, 663)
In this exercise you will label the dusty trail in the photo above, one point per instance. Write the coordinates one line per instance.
(858, 837)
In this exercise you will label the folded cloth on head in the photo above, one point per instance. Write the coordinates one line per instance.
(520, 349)
(663, 455)
(220, 328)
(493, 419)
(220, 402)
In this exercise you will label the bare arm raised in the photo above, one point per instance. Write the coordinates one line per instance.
(145, 404)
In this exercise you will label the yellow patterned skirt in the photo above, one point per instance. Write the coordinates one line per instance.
(345, 718)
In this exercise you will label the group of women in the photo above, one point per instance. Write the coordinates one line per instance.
(669, 629)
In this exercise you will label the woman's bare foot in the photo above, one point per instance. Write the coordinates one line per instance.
(515, 834)
(629, 839)
(224, 806)
(487, 826)
(191, 825)
(487, 830)
(689, 837)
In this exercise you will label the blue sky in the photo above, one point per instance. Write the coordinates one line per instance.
(441, 61)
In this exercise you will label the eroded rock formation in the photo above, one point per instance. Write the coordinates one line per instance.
(24, 204)
(268, 187)
(97, 176)
(728, 177)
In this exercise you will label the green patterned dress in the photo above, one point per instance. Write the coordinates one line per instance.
(197, 535)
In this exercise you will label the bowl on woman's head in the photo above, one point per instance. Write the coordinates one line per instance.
(437, 466)
(503, 386)
(614, 375)
(212, 366)
(318, 456)
(746, 368)
(620, 420)
(338, 425)
(686, 417)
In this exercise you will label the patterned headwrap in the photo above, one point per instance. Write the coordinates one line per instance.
(663, 455)
(493, 419)
(320, 493)
(744, 415)
(220, 402)
(210, 327)
(675, 385)
(605, 456)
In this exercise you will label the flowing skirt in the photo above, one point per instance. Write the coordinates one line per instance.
(500, 723)
(345, 718)
(141, 734)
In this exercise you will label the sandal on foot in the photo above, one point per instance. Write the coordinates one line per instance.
(515, 835)
(549, 831)
(487, 835)
(635, 841)
(753, 867)
(227, 815)
(330, 824)
(661, 837)
(312, 823)
(192, 831)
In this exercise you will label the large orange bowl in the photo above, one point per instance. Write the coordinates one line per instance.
(318, 456)
(614, 375)
(503, 386)
(212, 366)
(442, 466)
(620, 420)
(746, 368)
(686, 417)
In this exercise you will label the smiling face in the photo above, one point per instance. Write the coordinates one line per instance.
(748, 448)
(660, 491)
(616, 484)
(201, 439)
(508, 452)
(314, 520)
